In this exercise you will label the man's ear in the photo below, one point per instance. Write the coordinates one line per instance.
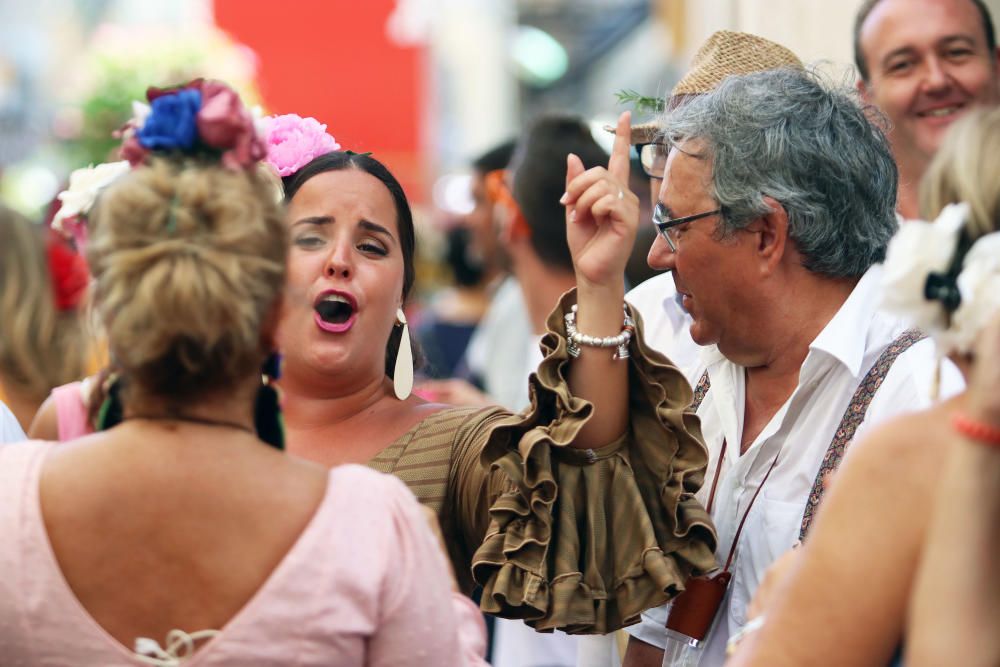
(771, 230)
(863, 90)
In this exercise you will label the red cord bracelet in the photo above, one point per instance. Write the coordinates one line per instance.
(976, 430)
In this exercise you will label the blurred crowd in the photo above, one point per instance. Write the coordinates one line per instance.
(725, 392)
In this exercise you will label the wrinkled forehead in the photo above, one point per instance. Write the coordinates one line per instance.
(688, 174)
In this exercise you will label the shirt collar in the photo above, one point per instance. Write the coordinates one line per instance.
(844, 337)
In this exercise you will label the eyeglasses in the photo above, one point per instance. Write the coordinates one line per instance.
(653, 157)
(665, 224)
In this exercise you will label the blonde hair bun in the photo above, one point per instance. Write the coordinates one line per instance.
(189, 260)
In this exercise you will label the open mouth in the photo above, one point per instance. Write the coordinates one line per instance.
(335, 312)
(334, 309)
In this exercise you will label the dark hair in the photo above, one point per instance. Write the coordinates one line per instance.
(869, 5)
(466, 271)
(539, 168)
(339, 161)
(495, 158)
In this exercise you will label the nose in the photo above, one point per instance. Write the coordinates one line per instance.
(338, 263)
(660, 256)
(654, 189)
(936, 78)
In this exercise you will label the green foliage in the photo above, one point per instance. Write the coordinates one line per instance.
(641, 103)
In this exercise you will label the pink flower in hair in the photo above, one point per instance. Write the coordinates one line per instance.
(293, 141)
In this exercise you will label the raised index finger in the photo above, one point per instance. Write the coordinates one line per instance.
(618, 165)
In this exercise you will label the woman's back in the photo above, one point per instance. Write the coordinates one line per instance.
(116, 537)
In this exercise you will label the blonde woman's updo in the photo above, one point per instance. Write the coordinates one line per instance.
(188, 259)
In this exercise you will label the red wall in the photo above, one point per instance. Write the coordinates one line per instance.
(332, 59)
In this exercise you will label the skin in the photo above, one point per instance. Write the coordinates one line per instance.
(925, 57)
(45, 425)
(22, 406)
(480, 221)
(339, 405)
(955, 607)
(747, 293)
(344, 236)
(204, 560)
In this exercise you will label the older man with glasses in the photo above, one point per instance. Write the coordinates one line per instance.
(777, 204)
(725, 53)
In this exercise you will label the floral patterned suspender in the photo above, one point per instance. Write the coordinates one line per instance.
(853, 416)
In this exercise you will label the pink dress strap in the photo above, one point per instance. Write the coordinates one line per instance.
(71, 410)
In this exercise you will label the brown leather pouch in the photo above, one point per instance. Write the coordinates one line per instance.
(693, 610)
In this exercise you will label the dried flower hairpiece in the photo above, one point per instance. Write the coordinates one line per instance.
(201, 117)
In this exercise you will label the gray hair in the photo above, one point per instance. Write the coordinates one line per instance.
(783, 134)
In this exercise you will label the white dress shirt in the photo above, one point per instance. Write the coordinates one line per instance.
(503, 350)
(10, 430)
(801, 431)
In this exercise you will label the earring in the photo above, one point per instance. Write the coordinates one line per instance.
(267, 418)
(402, 374)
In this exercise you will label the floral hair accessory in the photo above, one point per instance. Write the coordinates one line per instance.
(293, 142)
(940, 282)
(68, 272)
(200, 117)
(77, 200)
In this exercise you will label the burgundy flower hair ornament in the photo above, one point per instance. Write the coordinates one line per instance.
(202, 117)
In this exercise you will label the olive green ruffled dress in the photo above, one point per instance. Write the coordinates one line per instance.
(577, 540)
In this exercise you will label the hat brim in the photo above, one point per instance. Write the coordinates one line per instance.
(643, 133)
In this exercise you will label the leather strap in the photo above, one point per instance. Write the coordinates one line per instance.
(739, 529)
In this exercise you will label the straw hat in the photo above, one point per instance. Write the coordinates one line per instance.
(725, 53)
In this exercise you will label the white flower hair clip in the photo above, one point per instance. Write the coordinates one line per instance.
(940, 281)
(77, 200)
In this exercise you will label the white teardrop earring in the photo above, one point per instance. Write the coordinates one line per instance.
(402, 374)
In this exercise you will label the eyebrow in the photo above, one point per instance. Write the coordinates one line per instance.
(944, 41)
(319, 220)
(375, 227)
(666, 209)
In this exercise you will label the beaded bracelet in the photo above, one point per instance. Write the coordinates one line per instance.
(574, 339)
(976, 430)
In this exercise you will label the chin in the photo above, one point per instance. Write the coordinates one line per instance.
(702, 335)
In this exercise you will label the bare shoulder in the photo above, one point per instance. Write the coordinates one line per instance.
(45, 425)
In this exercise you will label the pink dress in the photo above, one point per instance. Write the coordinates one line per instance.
(71, 410)
(365, 584)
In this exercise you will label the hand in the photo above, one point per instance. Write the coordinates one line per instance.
(453, 392)
(602, 214)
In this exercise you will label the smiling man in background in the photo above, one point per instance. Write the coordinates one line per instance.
(924, 63)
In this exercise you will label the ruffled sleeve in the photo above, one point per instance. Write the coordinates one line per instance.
(585, 540)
